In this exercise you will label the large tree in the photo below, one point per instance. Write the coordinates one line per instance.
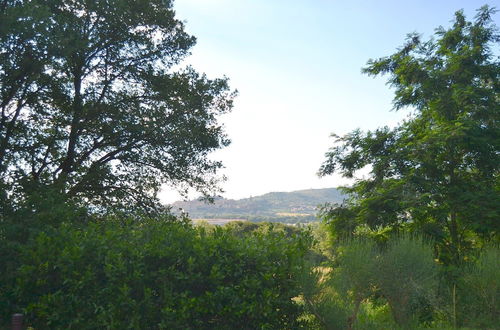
(437, 171)
(95, 104)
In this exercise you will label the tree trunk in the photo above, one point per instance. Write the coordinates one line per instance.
(352, 319)
(68, 162)
(455, 240)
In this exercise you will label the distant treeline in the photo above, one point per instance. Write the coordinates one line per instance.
(266, 218)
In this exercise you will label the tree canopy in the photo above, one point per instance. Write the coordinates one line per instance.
(95, 103)
(438, 170)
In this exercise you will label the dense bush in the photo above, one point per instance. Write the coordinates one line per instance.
(20, 223)
(407, 277)
(242, 228)
(399, 284)
(325, 308)
(363, 277)
(354, 278)
(478, 303)
(156, 274)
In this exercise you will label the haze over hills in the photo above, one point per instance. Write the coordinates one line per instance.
(289, 207)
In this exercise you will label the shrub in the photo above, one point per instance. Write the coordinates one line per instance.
(324, 307)
(155, 274)
(333, 295)
(407, 277)
(354, 278)
(479, 291)
(368, 281)
(20, 223)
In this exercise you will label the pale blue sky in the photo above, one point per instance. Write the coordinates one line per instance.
(296, 65)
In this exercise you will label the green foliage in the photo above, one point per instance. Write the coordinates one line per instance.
(438, 171)
(478, 291)
(375, 314)
(353, 275)
(366, 283)
(323, 239)
(341, 219)
(93, 103)
(325, 309)
(243, 228)
(44, 209)
(407, 276)
(158, 274)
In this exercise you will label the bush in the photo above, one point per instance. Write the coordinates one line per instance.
(366, 282)
(155, 274)
(407, 277)
(354, 278)
(20, 223)
(479, 291)
(324, 307)
(333, 295)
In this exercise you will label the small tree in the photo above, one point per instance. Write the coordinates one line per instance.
(95, 105)
(438, 171)
(407, 277)
(354, 277)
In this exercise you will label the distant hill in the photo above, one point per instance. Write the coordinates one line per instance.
(288, 207)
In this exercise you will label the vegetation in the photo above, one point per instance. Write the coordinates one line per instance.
(286, 207)
(93, 104)
(435, 177)
(96, 116)
(437, 173)
(159, 273)
(479, 290)
(366, 285)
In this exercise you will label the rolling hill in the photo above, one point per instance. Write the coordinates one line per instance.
(289, 207)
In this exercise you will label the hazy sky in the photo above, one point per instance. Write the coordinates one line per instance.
(296, 65)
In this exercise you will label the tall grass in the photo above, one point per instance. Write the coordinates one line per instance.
(478, 291)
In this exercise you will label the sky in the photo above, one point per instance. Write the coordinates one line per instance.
(297, 67)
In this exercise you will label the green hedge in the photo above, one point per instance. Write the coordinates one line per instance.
(158, 275)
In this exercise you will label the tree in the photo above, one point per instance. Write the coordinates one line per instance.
(94, 102)
(438, 171)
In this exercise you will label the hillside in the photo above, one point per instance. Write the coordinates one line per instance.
(290, 207)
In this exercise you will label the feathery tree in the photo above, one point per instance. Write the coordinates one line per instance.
(437, 171)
